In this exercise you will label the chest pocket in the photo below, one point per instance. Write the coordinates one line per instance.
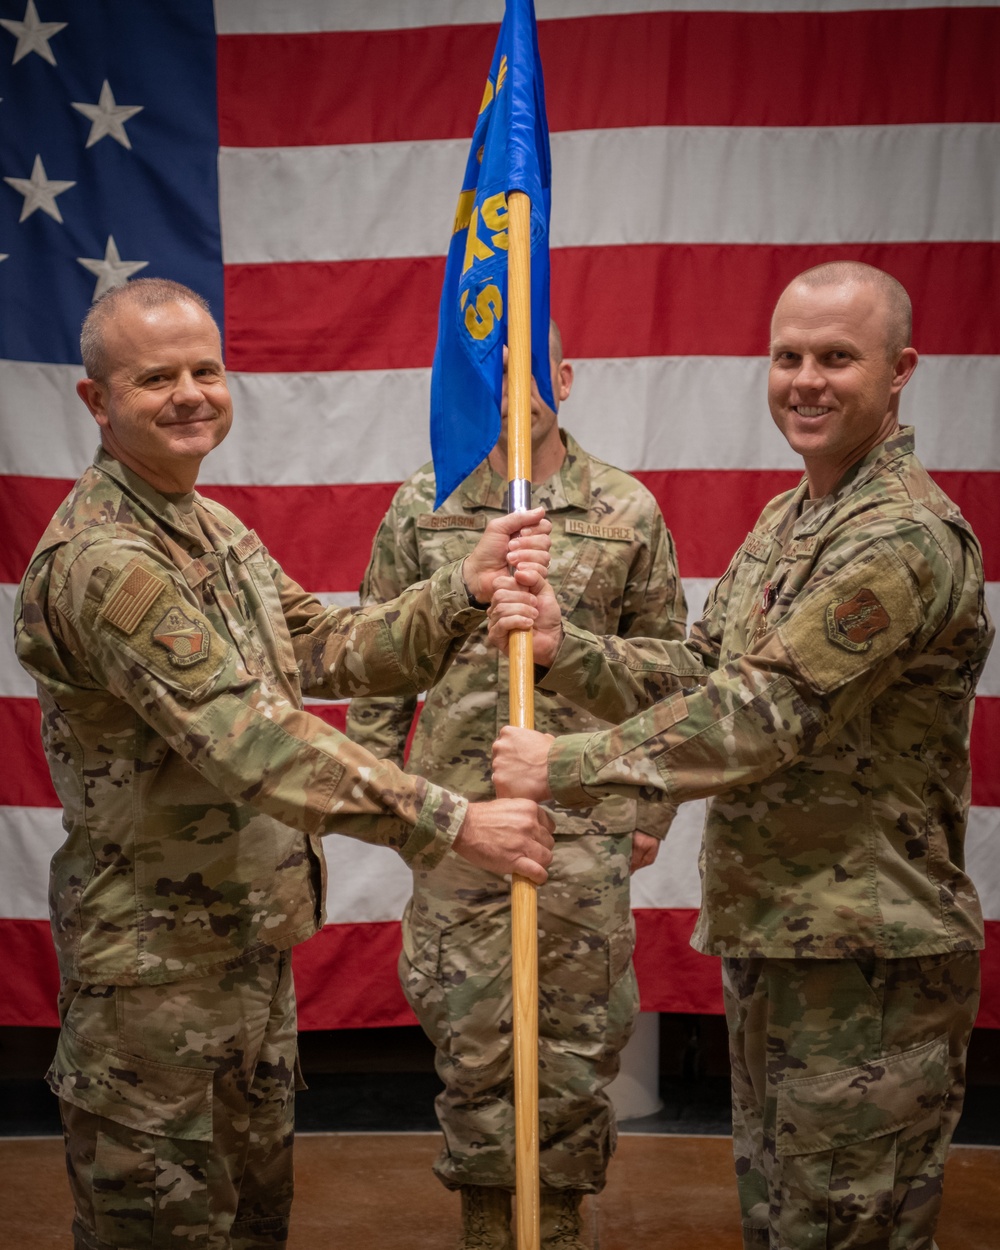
(589, 579)
(745, 599)
(260, 605)
(440, 543)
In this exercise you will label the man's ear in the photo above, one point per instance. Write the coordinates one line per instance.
(564, 380)
(93, 395)
(903, 369)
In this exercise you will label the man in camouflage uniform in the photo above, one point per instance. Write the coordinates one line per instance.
(171, 653)
(614, 571)
(837, 660)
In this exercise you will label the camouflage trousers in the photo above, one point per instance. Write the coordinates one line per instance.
(848, 1080)
(456, 973)
(177, 1105)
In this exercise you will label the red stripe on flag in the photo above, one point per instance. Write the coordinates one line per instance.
(642, 69)
(331, 553)
(331, 315)
(672, 976)
(656, 300)
(25, 780)
(983, 753)
(345, 976)
(976, 496)
(29, 974)
(27, 505)
(716, 300)
(711, 511)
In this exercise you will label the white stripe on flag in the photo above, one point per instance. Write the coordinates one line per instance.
(829, 184)
(242, 17)
(644, 412)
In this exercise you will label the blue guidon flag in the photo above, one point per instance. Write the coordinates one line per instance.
(510, 152)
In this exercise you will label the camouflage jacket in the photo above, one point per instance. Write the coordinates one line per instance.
(171, 653)
(614, 570)
(823, 703)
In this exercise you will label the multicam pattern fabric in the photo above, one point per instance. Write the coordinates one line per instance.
(614, 571)
(848, 1080)
(177, 1102)
(171, 654)
(823, 703)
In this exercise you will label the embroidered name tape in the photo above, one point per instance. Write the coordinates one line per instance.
(447, 521)
(246, 546)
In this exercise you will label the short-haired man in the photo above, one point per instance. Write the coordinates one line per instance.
(171, 653)
(837, 661)
(614, 571)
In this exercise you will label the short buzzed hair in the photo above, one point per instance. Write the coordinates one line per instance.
(555, 342)
(140, 293)
(899, 322)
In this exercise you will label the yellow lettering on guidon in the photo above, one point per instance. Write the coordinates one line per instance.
(495, 217)
(475, 248)
(481, 317)
(463, 213)
(488, 91)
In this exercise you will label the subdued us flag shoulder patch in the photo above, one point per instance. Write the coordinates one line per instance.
(129, 602)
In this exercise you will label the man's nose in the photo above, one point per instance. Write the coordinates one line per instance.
(187, 391)
(809, 376)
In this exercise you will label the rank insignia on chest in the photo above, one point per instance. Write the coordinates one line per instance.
(855, 622)
(186, 640)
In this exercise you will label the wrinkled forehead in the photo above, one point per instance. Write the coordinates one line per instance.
(136, 335)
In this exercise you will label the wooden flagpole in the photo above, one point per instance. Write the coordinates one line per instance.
(524, 903)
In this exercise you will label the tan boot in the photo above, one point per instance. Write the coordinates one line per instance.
(560, 1220)
(485, 1218)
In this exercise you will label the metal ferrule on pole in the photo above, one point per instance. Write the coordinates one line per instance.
(519, 495)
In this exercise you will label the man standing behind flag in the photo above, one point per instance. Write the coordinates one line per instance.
(509, 152)
(615, 572)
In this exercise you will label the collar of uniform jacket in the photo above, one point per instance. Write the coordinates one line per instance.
(813, 512)
(175, 513)
(568, 487)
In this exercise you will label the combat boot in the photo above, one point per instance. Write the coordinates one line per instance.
(560, 1220)
(485, 1218)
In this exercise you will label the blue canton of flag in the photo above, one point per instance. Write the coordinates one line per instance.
(108, 161)
(510, 152)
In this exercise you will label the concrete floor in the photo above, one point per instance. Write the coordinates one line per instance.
(356, 1191)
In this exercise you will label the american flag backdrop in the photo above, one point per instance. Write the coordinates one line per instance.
(298, 161)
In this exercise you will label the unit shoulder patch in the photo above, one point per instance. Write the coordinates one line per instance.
(186, 641)
(612, 533)
(130, 600)
(854, 622)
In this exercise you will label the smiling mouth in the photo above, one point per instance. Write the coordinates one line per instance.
(804, 410)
